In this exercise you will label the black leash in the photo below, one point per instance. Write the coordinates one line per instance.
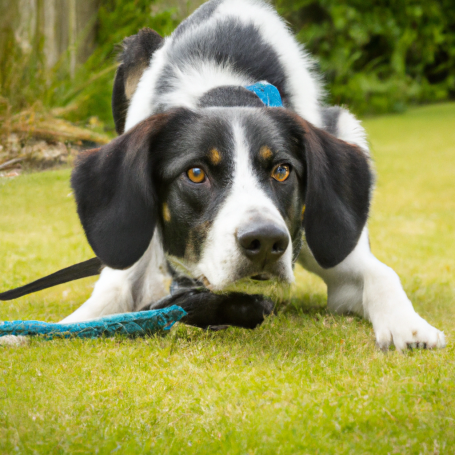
(84, 269)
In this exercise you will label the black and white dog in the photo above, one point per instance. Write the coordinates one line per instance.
(207, 179)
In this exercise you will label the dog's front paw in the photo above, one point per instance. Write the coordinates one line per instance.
(406, 329)
(13, 340)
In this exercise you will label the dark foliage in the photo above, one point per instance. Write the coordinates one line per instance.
(379, 55)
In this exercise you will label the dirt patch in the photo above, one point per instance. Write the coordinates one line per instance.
(35, 140)
(33, 154)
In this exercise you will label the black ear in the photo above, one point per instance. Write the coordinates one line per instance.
(137, 51)
(337, 189)
(116, 200)
(337, 199)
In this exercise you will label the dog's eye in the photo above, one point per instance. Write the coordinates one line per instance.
(281, 172)
(196, 175)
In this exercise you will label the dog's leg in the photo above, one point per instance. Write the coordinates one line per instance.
(363, 285)
(112, 294)
(122, 291)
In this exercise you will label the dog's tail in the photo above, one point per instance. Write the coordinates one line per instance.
(74, 272)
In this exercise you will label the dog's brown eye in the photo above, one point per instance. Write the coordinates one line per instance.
(196, 175)
(281, 172)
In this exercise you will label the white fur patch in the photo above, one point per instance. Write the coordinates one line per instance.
(196, 79)
(13, 340)
(222, 261)
(122, 291)
(350, 129)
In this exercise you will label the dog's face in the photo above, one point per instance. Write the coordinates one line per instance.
(229, 190)
(231, 196)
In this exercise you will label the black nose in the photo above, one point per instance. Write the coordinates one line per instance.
(263, 243)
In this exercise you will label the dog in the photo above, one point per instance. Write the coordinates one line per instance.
(210, 189)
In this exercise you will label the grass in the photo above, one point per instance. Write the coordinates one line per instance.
(304, 382)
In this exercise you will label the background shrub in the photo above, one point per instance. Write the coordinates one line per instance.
(379, 55)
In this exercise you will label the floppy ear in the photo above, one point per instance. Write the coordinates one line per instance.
(137, 51)
(116, 200)
(337, 199)
(337, 191)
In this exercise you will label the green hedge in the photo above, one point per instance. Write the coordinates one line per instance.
(378, 55)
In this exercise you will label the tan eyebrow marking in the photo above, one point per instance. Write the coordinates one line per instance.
(215, 156)
(166, 213)
(265, 153)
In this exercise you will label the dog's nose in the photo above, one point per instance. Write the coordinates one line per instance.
(263, 243)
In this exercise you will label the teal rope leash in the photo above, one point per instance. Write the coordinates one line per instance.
(130, 324)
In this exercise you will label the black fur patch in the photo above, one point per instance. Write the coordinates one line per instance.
(230, 96)
(134, 59)
(116, 200)
(138, 49)
(330, 116)
(119, 101)
(193, 206)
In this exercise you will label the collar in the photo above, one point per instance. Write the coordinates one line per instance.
(267, 93)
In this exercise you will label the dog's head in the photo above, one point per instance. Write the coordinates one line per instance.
(230, 191)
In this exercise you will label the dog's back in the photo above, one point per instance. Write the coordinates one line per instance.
(226, 43)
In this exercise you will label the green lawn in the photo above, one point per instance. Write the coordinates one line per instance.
(304, 382)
